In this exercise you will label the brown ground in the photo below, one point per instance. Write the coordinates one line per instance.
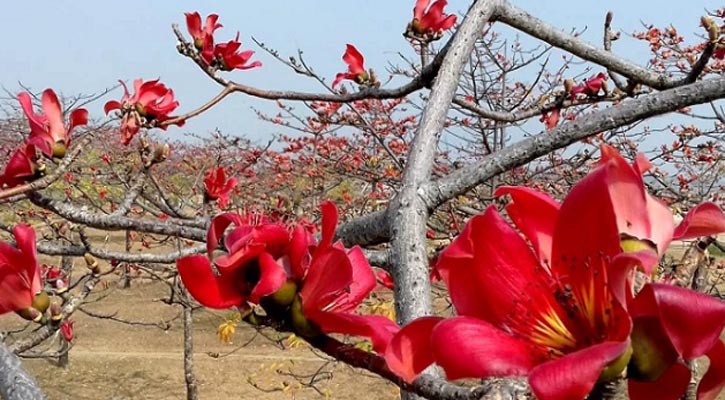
(111, 360)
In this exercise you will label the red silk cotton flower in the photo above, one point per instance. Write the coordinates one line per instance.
(226, 56)
(315, 286)
(20, 275)
(22, 167)
(591, 87)
(48, 132)
(355, 68)
(193, 24)
(217, 187)
(554, 302)
(151, 103)
(430, 21)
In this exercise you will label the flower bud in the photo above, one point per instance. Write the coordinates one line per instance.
(30, 314)
(58, 149)
(161, 153)
(41, 301)
(56, 313)
(92, 263)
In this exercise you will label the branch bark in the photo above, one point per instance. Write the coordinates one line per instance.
(15, 382)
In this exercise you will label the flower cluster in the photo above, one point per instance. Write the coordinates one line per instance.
(552, 298)
(151, 104)
(49, 136)
(223, 56)
(217, 187)
(312, 286)
(429, 21)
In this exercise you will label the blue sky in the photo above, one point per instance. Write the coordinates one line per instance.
(83, 46)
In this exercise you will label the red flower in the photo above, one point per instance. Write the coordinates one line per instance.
(20, 275)
(151, 102)
(217, 187)
(433, 21)
(266, 264)
(55, 277)
(550, 119)
(249, 270)
(590, 87)
(66, 328)
(193, 24)
(384, 278)
(333, 287)
(671, 325)
(225, 56)
(48, 131)
(553, 309)
(355, 69)
(22, 167)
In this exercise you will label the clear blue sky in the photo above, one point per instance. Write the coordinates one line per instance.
(82, 46)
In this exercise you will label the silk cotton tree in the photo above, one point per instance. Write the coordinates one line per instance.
(568, 290)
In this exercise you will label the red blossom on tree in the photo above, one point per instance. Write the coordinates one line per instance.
(551, 119)
(591, 87)
(20, 284)
(217, 187)
(152, 102)
(48, 131)
(66, 329)
(430, 20)
(226, 56)
(557, 308)
(22, 167)
(355, 68)
(267, 263)
(335, 283)
(193, 24)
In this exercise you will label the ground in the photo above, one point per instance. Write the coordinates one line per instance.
(111, 360)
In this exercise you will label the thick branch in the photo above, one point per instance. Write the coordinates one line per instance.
(517, 18)
(111, 223)
(374, 228)
(15, 382)
(409, 211)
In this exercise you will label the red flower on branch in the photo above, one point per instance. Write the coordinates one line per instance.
(555, 305)
(355, 68)
(430, 21)
(193, 25)
(66, 329)
(151, 103)
(48, 131)
(22, 167)
(551, 119)
(266, 264)
(591, 87)
(335, 283)
(20, 284)
(217, 187)
(226, 56)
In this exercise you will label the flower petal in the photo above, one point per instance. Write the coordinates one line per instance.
(271, 277)
(503, 271)
(208, 289)
(328, 276)
(535, 214)
(693, 321)
(410, 351)
(670, 386)
(378, 329)
(573, 376)
(704, 220)
(714, 380)
(467, 347)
